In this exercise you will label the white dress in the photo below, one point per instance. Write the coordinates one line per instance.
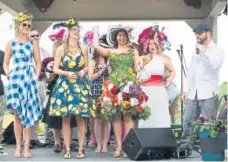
(158, 97)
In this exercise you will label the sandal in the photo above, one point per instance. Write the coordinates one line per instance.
(18, 154)
(27, 154)
(92, 144)
(67, 155)
(125, 155)
(118, 153)
(99, 149)
(81, 155)
(57, 148)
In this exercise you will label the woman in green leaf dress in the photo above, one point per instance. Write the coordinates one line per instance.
(123, 62)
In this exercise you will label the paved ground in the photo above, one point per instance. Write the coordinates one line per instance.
(46, 154)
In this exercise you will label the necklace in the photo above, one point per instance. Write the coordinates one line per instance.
(74, 50)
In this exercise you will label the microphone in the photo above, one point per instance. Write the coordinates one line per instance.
(181, 47)
(197, 49)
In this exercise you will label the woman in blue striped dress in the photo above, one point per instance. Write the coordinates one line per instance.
(22, 95)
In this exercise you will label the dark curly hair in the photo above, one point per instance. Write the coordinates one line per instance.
(115, 38)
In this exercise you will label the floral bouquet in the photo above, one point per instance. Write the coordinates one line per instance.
(142, 76)
(134, 100)
(88, 38)
(128, 97)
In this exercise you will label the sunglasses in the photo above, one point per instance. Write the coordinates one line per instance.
(35, 36)
(201, 32)
(26, 25)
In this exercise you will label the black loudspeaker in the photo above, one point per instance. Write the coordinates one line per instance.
(8, 134)
(150, 143)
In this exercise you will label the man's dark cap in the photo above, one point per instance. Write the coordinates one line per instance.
(201, 28)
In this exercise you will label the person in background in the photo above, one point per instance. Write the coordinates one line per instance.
(2, 105)
(98, 73)
(172, 91)
(201, 90)
(23, 91)
(35, 35)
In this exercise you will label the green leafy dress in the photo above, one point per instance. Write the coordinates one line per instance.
(122, 68)
(121, 73)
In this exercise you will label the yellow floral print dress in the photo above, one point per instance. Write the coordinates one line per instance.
(72, 96)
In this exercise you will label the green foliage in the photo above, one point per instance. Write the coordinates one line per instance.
(214, 127)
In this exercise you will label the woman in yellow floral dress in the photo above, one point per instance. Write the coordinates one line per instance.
(123, 61)
(71, 95)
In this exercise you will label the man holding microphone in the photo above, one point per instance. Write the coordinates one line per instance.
(202, 81)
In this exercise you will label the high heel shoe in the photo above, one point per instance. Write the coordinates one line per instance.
(81, 155)
(118, 152)
(67, 155)
(104, 149)
(98, 149)
(18, 154)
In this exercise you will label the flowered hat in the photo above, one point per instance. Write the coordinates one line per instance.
(57, 34)
(114, 30)
(88, 38)
(47, 65)
(67, 24)
(155, 33)
(23, 16)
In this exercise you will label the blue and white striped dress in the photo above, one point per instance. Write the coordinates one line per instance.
(22, 94)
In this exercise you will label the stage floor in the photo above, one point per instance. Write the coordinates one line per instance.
(46, 154)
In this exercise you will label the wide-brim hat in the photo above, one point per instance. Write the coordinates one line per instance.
(57, 34)
(112, 33)
(103, 41)
(47, 65)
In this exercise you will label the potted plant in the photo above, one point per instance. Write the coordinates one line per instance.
(213, 138)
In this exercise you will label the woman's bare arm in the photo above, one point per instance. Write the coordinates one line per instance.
(105, 52)
(36, 50)
(7, 57)
(136, 60)
(57, 62)
(170, 68)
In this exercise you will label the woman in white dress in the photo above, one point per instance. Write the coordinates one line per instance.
(153, 66)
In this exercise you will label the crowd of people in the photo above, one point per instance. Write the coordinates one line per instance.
(122, 86)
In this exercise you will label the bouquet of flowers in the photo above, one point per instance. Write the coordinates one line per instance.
(128, 97)
(134, 100)
(142, 75)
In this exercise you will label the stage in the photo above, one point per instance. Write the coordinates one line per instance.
(47, 154)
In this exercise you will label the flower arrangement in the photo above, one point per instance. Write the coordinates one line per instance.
(23, 16)
(72, 22)
(88, 38)
(142, 76)
(214, 127)
(128, 97)
(153, 32)
(47, 65)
